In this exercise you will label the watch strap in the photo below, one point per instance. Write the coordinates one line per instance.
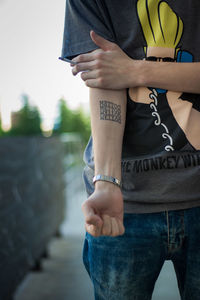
(111, 179)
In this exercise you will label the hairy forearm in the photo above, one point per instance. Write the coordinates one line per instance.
(180, 77)
(108, 112)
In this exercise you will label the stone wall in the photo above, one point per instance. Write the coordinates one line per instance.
(31, 204)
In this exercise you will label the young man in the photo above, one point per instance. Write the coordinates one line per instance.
(141, 63)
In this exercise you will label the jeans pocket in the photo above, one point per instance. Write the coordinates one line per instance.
(85, 256)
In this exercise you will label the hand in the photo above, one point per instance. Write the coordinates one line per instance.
(107, 67)
(103, 211)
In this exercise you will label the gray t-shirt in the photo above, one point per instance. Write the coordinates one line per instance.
(161, 157)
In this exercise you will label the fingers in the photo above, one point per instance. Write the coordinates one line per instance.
(86, 57)
(115, 227)
(93, 230)
(94, 74)
(90, 217)
(101, 42)
(93, 222)
(95, 63)
(112, 226)
(107, 226)
(93, 80)
(120, 227)
(93, 83)
(83, 57)
(88, 61)
(83, 67)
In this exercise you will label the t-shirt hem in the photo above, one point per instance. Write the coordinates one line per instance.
(133, 207)
(78, 49)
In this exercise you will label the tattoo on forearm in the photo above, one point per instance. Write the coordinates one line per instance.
(110, 111)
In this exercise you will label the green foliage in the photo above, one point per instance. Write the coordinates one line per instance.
(81, 124)
(65, 119)
(27, 120)
(1, 130)
(72, 121)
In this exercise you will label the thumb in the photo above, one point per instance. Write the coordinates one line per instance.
(101, 42)
(90, 217)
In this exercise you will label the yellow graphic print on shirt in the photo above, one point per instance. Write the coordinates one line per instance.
(162, 29)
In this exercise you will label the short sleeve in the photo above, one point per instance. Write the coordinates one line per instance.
(82, 16)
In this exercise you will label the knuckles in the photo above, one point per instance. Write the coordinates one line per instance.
(101, 81)
(100, 56)
(98, 64)
(74, 70)
(83, 76)
(100, 73)
(80, 58)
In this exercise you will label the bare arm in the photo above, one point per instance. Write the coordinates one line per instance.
(179, 77)
(107, 119)
(104, 209)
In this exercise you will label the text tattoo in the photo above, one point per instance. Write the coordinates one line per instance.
(110, 111)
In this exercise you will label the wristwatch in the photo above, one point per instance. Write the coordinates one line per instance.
(111, 179)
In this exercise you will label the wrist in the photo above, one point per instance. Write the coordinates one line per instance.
(111, 179)
(109, 167)
(139, 71)
(106, 186)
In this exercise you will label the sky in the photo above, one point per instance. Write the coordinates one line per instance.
(31, 34)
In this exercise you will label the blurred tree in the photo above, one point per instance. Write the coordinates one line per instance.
(81, 124)
(72, 121)
(65, 118)
(27, 120)
(1, 129)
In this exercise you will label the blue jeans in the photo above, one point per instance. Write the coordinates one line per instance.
(127, 267)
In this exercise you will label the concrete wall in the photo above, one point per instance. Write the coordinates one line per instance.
(31, 203)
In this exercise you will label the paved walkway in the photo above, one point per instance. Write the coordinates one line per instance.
(63, 276)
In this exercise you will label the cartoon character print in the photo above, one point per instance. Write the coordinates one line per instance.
(177, 115)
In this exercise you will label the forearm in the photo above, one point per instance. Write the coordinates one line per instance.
(108, 113)
(180, 77)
